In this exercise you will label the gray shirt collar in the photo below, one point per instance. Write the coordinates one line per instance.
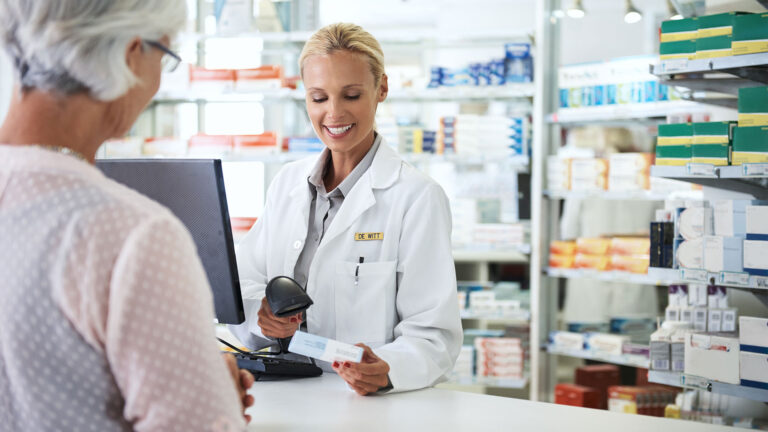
(315, 178)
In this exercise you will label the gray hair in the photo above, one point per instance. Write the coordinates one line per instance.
(71, 46)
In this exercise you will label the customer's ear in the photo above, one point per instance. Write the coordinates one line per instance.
(133, 54)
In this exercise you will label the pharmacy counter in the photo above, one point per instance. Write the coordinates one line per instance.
(326, 404)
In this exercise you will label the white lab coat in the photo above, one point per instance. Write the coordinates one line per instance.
(404, 305)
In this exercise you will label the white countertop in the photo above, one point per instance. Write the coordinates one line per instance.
(326, 404)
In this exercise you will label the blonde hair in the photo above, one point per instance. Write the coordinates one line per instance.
(345, 37)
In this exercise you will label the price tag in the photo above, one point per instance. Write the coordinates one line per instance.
(696, 382)
(731, 278)
(698, 169)
(754, 169)
(761, 282)
(695, 275)
(674, 65)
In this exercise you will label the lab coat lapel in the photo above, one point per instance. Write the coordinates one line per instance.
(301, 199)
(360, 199)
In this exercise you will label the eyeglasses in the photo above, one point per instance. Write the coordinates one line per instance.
(170, 60)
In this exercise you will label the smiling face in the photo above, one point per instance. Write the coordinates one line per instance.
(342, 97)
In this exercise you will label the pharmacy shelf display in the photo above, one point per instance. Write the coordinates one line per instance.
(742, 280)
(617, 276)
(678, 379)
(642, 195)
(654, 112)
(747, 178)
(476, 381)
(722, 75)
(622, 360)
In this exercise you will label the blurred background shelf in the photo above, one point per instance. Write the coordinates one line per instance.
(622, 360)
(679, 379)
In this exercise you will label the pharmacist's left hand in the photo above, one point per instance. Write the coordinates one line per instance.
(368, 376)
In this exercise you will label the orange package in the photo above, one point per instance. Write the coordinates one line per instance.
(632, 263)
(594, 262)
(593, 246)
(630, 246)
(561, 261)
(562, 247)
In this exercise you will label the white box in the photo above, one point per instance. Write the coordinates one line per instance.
(753, 367)
(694, 222)
(686, 315)
(713, 356)
(606, 343)
(753, 331)
(715, 320)
(567, 340)
(757, 220)
(700, 319)
(723, 254)
(729, 320)
(756, 257)
(672, 313)
(730, 217)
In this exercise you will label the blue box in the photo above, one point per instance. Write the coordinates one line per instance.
(611, 94)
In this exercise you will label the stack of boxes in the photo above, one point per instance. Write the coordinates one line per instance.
(753, 342)
(674, 144)
(750, 142)
(622, 172)
(627, 254)
(486, 135)
(719, 35)
(645, 400)
(600, 378)
(499, 357)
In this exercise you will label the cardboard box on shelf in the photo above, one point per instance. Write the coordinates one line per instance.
(683, 49)
(753, 369)
(577, 395)
(756, 257)
(723, 254)
(730, 216)
(713, 355)
(674, 155)
(753, 109)
(715, 46)
(717, 24)
(629, 171)
(679, 30)
(589, 175)
(598, 377)
(753, 333)
(750, 34)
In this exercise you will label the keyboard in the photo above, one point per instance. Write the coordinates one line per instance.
(263, 367)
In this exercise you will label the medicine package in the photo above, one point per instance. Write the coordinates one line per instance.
(324, 349)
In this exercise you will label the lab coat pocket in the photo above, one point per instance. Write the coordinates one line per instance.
(364, 301)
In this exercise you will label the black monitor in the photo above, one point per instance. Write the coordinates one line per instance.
(193, 189)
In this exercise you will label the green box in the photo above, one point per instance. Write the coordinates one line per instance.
(750, 34)
(678, 30)
(677, 49)
(716, 46)
(750, 145)
(753, 106)
(715, 154)
(674, 154)
(675, 134)
(717, 25)
(713, 132)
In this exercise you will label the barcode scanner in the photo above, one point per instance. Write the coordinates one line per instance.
(286, 298)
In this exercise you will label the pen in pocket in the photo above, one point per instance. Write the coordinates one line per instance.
(357, 270)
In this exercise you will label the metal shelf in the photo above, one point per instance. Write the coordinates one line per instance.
(678, 379)
(723, 74)
(747, 178)
(475, 381)
(656, 111)
(459, 94)
(523, 316)
(759, 284)
(642, 195)
(615, 276)
(624, 360)
(516, 255)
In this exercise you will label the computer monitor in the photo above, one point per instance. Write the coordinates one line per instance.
(193, 189)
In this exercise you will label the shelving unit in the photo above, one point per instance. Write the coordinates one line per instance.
(678, 379)
(608, 195)
(616, 276)
(722, 75)
(652, 112)
(622, 360)
(482, 382)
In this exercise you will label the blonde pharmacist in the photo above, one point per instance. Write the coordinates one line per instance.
(365, 233)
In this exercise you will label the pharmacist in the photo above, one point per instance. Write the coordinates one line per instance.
(365, 233)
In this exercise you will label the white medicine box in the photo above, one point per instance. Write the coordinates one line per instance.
(753, 331)
(713, 356)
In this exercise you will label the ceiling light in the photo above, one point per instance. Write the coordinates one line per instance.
(632, 15)
(577, 10)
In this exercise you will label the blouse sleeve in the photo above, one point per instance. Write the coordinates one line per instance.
(160, 337)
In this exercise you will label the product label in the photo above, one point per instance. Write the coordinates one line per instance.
(730, 278)
(695, 382)
(699, 169)
(761, 282)
(696, 275)
(674, 65)
(324, 349)
(754, 169)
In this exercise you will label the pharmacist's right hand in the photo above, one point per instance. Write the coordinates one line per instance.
(274, 326)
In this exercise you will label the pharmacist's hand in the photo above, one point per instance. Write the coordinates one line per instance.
(368, 376)
(243, 381)
(274, 326)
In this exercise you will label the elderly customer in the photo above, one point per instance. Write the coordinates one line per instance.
(106, 314)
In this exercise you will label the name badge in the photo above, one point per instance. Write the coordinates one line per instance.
(369, 236)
